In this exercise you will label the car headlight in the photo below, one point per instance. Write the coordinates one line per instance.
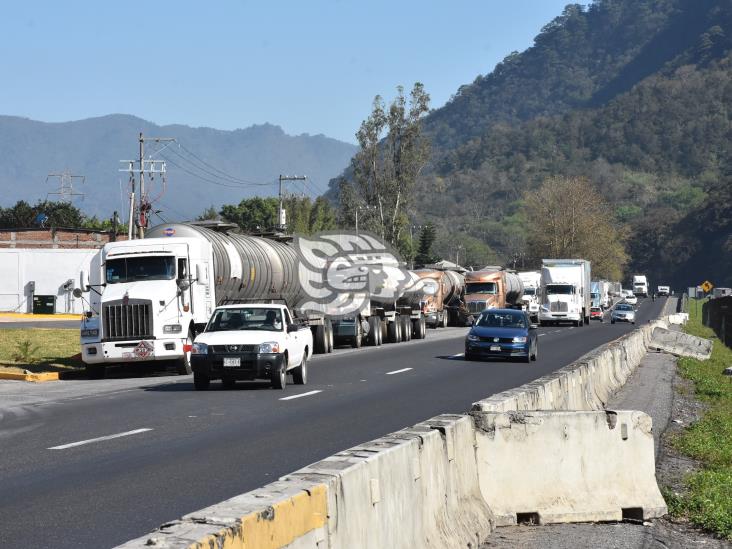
(269, 347)
(473, 337)
(519, 339)
(93, 332)
(172, 329)
(199, 349)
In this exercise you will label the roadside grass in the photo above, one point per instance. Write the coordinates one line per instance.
(39, 350)
(707, 501)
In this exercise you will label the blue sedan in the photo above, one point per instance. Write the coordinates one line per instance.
(506, 333)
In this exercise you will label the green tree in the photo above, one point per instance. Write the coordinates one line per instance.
(424, 251)
(23, 215)
(392, 153)
(260, 214)
(252, 214)
(209, 214)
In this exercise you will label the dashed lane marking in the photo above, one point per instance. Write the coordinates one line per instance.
(398, 371)
(100, 439)
(309, 393)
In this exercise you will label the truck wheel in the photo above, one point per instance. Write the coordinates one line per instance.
(321, 343)
(329, 336)
(444, 319)
(96, 371)
(201, 382)
(374, 331)
(300, 374)
(406, 328)
(391, 329)
(279, 376)
(183, 365)
(399, 329)
(384, 330)
(358, 338)
(417, 328)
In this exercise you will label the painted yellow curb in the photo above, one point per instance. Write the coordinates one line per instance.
(30, 316)
(275, 527)
(48, 376)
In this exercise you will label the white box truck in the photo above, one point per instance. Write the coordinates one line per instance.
(640, 286)
(532, 292)
(565, 292)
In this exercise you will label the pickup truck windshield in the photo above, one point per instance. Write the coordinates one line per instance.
(131, 269)
(561, 289)
(480, 288)
(246, 318)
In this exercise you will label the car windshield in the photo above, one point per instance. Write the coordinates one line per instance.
(246, 318)
(595, 309)
(501, 320)
(131, 269)
(529, 291)
(554, 289)
(624, 308)
(481, 288)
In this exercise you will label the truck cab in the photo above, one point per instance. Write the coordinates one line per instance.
(251, 341)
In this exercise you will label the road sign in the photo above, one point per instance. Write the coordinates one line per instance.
(707, 286)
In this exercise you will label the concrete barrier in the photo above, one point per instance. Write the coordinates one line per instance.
(681, 344)
(606, 471)
(545, 451)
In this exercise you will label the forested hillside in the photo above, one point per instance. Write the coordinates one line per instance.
(634, 95)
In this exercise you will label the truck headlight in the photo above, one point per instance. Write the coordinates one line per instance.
(473, 337)
(199, 349)
(269, 347)
(519, 339)
(172, 329)
(90, 332)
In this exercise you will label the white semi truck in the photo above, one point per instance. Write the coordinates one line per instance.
(532, 293)
(149, 298)
(640, 286)
(565, 291)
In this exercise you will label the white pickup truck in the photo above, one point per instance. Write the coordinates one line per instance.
(251, 341)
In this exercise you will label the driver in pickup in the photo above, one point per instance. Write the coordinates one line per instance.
(273, 319)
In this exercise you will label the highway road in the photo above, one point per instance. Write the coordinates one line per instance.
(109, 460)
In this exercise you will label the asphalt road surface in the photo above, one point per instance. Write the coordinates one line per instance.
(96, 463)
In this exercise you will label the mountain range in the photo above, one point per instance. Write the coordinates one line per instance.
(205, 166)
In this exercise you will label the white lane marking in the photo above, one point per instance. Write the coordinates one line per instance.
(541, 335)
(100, 439)
(398, 371)
(455, 356)
(571, 328)
(302, 395)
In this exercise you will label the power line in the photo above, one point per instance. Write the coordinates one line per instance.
(203, 178)
(226, 175)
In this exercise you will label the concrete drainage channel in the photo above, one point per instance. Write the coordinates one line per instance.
(545, 452)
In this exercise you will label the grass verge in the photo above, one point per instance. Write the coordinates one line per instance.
(39, 350)
(707, 500)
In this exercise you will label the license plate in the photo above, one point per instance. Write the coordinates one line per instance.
(495, 347)
(232, 362)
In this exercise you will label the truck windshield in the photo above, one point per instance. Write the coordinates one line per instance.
(246, 318)
(481, 288)
(554, 289)
(529, 291)
(131, 269)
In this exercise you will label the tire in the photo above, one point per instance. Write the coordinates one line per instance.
(612, 321)
(279, 376)
(527, 359)
(96, 371)
(392, 332)
(201, 382)
(444, 319)
(576, 323)
(417, 328)
(406, 328)
(228, 382)
(183, 365)
(535, 356)
(329, 336)
(374, 331)
(300, 374)
(321, 339)
(470, 356)
(358, 338)
(384, 330)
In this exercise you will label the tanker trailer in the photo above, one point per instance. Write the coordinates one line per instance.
(434, 305)
(492, 288)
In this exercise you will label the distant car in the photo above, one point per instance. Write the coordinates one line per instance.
(596, 312)
(631, 299)
(626, 293)
(504, 333)
(623, 312)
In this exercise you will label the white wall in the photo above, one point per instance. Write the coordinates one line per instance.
(49, 269)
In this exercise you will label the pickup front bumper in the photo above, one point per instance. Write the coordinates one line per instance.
(251, 365)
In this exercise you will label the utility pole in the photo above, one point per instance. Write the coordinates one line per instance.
(66, 186)
(152, 167)
(281, 219)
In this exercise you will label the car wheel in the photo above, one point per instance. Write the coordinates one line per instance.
(612, 321)
(535, 356)
(527, 358)
(279, 376)
(228, 382)
(201, 382)
(470, 356)
(300, 374)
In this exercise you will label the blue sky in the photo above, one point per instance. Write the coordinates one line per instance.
(310, 66)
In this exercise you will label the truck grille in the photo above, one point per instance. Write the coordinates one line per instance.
(131, 321)
(476, 306)
(558, 307)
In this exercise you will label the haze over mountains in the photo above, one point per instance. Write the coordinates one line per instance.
(211, 167)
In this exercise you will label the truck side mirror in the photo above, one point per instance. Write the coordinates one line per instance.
(201, 274)
(83, 281)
